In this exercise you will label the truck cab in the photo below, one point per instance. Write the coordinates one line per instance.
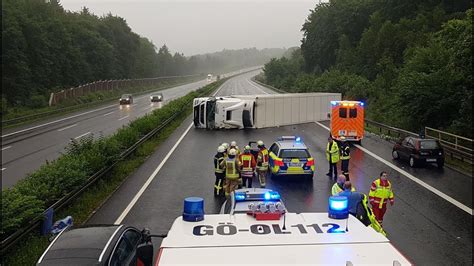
(222, 112)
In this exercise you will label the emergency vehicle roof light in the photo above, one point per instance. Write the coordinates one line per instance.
(271, 195)
(338, 207)
(193, 209)
(239, 196)
(286, 138)
(333, 102)
(298, 140)
(361, 104)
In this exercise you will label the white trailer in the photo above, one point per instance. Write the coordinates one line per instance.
(260, 111)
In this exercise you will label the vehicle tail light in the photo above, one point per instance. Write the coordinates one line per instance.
(158, 257)
(279, 163)
(310, 162)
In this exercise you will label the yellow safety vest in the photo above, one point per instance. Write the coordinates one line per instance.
(231, 171)
(332, 154)
(336, 189)
(345, 153)
(263, 159)
(381, 192)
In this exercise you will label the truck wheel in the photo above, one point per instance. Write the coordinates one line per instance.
(412, 161)
(246, 119)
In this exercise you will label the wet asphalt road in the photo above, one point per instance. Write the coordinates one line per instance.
(423, 226)
(24, 152)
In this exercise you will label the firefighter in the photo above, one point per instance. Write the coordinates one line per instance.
(219, 171)
(232, 175)
(262, 163)
(380, 192)
(226, 147)
(332, 155)
(345, 156)
(247, 165)
(233, 145)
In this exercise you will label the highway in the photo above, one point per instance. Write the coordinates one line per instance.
(428, 227)
(26, 148)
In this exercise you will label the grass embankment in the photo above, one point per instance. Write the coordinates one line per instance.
(87, 101)
(29, 249)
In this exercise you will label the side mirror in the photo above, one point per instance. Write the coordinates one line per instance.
(145, 254)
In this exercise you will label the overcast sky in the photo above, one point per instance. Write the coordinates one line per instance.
(202, 26)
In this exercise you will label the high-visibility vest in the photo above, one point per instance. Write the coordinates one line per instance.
(336, 189)
(332, 153)
(246, 161)
(381, 193)
(218, 167)
(373, 222)
(263, 158)
(345, 152)
(231, 171)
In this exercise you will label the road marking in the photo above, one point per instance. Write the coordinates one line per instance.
(3, 169)
(109, 113)
(6, 148)
(80, 136)
(64, 128)
(123, 117)
(150, 178)
(255, 86)
(53, 122)
(157, 170)
(411, 177)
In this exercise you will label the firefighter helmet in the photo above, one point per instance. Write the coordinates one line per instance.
(232, 152)
(221, 149)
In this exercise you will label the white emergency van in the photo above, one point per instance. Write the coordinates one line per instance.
(289, 239)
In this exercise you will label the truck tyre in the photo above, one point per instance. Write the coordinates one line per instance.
(246, 119)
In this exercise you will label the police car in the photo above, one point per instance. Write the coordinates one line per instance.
(273, 237)
(290, 156)
(251, 199)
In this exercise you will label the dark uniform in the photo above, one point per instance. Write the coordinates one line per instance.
(220, 174)
(345, 156)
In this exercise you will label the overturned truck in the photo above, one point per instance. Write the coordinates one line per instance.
(260, 111)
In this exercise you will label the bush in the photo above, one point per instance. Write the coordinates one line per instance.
(37, 101)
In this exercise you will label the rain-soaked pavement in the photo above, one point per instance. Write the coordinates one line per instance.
(425, 227)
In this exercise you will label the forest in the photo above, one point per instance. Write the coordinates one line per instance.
(409, 60)
(46, 48)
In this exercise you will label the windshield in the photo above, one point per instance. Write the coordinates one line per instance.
(429, 144)
(294, 153)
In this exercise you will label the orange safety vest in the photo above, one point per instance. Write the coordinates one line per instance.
(263, 159)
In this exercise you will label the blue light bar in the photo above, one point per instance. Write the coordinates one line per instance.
(271, 195)
(193, 209)
(298, 139)
(338, 207)
(333, 102)
(239, 196)
(361, 104)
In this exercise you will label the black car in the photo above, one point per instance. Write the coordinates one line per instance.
(156, 97)
(419, 150)
(126, 99)
(99, 245)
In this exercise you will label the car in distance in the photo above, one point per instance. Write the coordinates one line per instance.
(290, 156)
(419, 150)
(157, 97)
(240, 200)
(126, 99)
(96, 245)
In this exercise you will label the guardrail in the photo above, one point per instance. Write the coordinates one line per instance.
(454, 150)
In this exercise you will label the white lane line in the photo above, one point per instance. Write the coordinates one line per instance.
(3, 169)
(255, 86)
(80, 136)
(64, 128)
(152, 176)
(109, 113)
(413, 178)
(52, 122)
(6, 148)
(122, 118)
